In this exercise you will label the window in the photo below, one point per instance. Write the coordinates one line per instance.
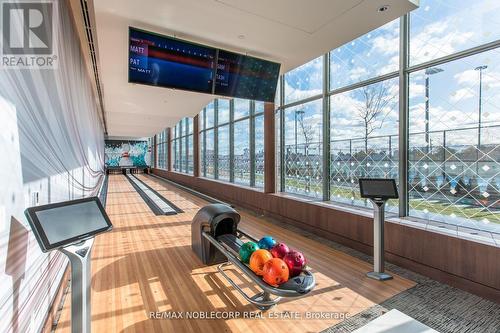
(454, 142)
(223, 152)
(241, 108)
(363, 139)
(237, 153)
(182, 146)
(259, 150)
(210, 115)
(453, 111)
(222, 111)
(303, 149)
(209, 154)
(161, 150)
(203, 170)
(242, 152)
(304, 81)
(277, 131)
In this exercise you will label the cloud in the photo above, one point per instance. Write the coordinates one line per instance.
(461, 95)
(417, 90)
(386, 45)
(438, 39)
(357, 72)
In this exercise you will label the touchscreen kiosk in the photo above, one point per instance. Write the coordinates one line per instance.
(373, 188)
(60, 224)
(70, 227)
(378, 190)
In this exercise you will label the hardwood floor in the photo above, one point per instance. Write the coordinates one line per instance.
(146, 265)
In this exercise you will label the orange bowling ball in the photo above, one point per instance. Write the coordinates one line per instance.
(258, 259)
(276, 272)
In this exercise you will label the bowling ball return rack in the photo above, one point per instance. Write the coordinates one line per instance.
(216, 239)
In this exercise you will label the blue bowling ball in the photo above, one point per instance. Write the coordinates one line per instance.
(267, 242)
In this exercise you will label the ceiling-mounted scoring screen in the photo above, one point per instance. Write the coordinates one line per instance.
(246, 77)
(168, 62)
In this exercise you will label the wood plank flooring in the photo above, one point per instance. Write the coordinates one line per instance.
(146, 265)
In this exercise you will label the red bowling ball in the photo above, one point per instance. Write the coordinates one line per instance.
(280, 250)
(295, 261)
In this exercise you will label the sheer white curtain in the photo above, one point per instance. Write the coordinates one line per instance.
(51, 149)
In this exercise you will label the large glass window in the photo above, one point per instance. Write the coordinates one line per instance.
(454, 142)
(259, 150)
(241, 108)
(161, 150)
(182, 146)
(453, 111)
(210, 115)
(242, 152)
(209, 158)
(363, 139)
(237, 155)
(304, 81)
(223, 111)
(203, 170)
(223, 152)
(303, 149)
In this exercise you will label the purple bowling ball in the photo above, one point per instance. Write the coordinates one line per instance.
(295, 261)
(280, 250)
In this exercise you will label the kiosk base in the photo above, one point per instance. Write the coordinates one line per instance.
(379, 276)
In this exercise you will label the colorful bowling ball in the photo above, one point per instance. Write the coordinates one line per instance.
(295, 261)
(246, 251)
(280, 250)
(267, 242)
(275, 272)
(258, 259)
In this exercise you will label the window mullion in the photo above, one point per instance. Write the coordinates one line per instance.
(403, 114)
(231, 140)
(216, 139)
(326, 128)
(252, 143)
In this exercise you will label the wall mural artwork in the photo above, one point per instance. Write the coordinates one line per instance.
(127, 153)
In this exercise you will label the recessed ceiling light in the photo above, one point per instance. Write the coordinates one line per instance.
(383, 8)
(241, 36)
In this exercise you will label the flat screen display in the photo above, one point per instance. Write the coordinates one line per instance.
(61, 224)
(378, 188)
(168, 62)
(247, 77)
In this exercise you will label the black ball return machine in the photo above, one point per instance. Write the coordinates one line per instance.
(216, 239)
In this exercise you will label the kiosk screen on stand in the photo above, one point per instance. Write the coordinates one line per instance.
(380, 188)
(64, 223)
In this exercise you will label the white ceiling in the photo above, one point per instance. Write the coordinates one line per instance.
(291, 32)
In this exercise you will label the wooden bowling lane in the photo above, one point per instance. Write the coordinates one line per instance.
(146, 265)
